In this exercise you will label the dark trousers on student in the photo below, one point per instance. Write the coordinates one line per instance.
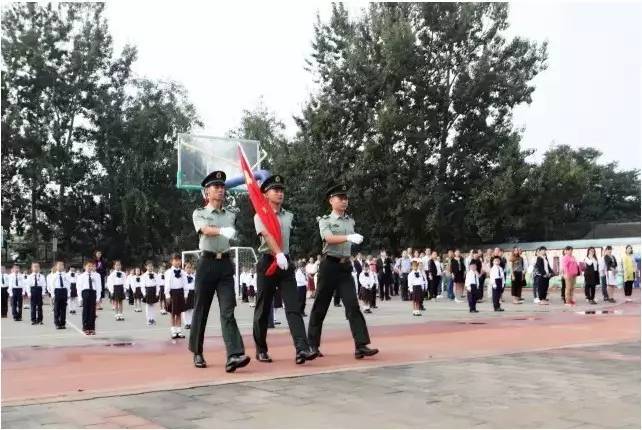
(89, 309)
(563, 290)
(302, 291)
(4, 298)
(516, 285)
(628, 288)
(432, 286)
(36, 304)
(589, 290)
(336, 275)
(497, 294)
(542, 286)
(473, 295)
(60, 307)
(480, 287)
(405, 294)
(337, 297)
(16, 303)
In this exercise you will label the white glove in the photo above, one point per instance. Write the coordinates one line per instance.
(228, 232)
(281, 261)
(355, 238)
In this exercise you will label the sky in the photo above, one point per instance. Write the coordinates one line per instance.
(232, 55)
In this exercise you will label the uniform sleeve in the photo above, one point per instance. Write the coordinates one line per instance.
(324, 228)
(98, 288)
(199, 221)
(168, 281)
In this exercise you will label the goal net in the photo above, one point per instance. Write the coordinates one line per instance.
(243, 257)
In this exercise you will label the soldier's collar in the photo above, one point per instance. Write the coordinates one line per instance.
(337, 216)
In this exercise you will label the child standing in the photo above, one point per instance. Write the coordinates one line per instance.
(136, 284)
(150, 284)
(415, 283)
(472, 286)
(16, 282)
(175, 289)
(189, 296)
(58, 287)
(116, 287)
(497, 278)
(163, 294)
(73, 290)
(367, 281)
(89, 286)
(35, 284)
(301, 285)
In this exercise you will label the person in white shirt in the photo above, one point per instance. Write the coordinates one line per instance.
(368, 282)
(89, 286)
(73, 290)
(175, 289)
(243, 284)
(116, 286)
(5, 293)
(250, 279)
(301, 286)
(136, 285)
(189, 296)
(150, 284)
(472, 287)
(424, 286)
(59, 289)
(163, 295)
(35, 284)
(16, 282)
(415, 284)
(497, 280)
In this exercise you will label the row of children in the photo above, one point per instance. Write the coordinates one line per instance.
(173, 289)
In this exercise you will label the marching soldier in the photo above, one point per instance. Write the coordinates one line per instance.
(215, 274)
(283, 279)
(337, 232)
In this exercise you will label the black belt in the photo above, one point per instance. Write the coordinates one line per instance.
(215, 255)
(337, 259)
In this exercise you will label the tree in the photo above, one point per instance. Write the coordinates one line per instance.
(413, 111)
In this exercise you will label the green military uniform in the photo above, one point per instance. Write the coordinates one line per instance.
(283, 280)
(335, 273)
(214, 274)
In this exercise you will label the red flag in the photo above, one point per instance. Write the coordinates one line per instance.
(262, 207)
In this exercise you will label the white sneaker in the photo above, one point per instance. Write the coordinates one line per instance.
(536, 301)
(457, 300)
(439, 296)
(252, 305)
(628, 300)
(416, 313)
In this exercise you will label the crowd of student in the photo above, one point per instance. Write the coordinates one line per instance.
(419, 275)
(415, 276)
(170, 289)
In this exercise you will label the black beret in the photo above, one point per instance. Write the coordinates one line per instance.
(337, 190)
(217, 177)
(275, 181)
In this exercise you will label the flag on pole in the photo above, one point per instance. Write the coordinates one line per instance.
(261, 206)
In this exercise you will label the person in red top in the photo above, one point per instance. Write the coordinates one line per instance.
(571, 270)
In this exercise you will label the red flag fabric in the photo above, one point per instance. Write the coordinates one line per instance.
(262, 207)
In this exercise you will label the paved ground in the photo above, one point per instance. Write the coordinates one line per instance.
(531, 366)
(563, 388)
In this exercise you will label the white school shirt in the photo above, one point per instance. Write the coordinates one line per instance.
(113, 279)
(160, 279)
(471, 279)
(496, 272)
(311, 269)
(150, 282)
(301, 279)
(82, 283)
(189, 282)
(31, 282)
(415, 278)
(11, 278)
(71, 276)
(251, 279)
(53, 282)
(367, 280)
(135, 281)
(243, 279)
(174, 283)
(5, 280)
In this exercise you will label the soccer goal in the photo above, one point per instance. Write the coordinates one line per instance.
(243, 257)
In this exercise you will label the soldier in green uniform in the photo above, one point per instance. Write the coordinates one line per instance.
(335, 273)
(215, 274)
(283, 279)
